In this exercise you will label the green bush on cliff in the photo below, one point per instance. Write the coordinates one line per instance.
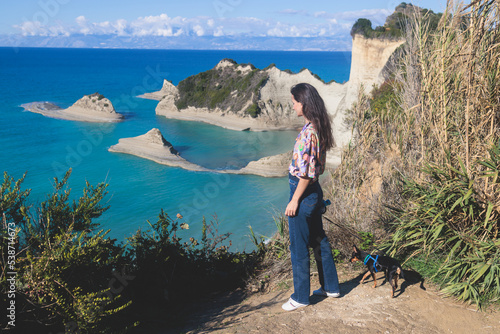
(223, 88)
(395, 23)
(253, 110)
(383, 100)
(452, 209)
(63, 264)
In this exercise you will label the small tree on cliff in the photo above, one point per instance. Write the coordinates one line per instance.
(362, 26)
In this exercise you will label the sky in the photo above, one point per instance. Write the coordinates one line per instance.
(156, 20)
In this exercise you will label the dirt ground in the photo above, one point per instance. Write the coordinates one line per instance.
(416, 308)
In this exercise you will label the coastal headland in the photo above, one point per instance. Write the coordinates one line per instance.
(90, 108)
(242, 97)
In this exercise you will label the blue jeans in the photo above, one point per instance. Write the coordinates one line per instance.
(306, 230)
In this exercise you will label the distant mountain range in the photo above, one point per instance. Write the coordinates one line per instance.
(342, 43)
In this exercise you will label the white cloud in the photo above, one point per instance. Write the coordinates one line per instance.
(35, 28)
(198, 30)
(322, 24)
(29, 28)
(218, 32)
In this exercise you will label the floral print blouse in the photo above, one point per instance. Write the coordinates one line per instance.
(308, 158)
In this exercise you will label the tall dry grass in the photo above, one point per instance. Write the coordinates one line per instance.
(450, 82)
(422, 172)
(450, 97)
(434, 152)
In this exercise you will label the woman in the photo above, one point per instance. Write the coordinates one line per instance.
(306, 199)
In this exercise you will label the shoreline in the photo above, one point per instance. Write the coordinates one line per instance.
(224, 120)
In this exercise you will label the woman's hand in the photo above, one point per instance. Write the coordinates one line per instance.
(292, 208)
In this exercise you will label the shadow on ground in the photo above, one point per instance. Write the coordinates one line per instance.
(218, 311)
(410, 278)
(223, 310)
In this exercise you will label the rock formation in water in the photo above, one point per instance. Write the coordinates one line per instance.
(153, 146)
(273, 166)
(90, 108)
(94, 103)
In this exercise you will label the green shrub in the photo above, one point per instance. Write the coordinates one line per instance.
(72, 277)
(362, 26)
(63, 264)
(395, 23)
(450, 216)
(253, 110)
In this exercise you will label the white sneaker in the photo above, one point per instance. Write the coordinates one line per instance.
(291, 305)
(321, 292)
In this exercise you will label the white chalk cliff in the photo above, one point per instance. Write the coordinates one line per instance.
(168, 89)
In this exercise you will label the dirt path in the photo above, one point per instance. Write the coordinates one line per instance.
(416, 308)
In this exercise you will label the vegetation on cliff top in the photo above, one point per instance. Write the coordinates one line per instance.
(395, 23)
(224, 87)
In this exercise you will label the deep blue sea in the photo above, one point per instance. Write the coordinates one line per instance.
(139, 188)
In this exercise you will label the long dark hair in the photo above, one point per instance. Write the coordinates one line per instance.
(313, 108)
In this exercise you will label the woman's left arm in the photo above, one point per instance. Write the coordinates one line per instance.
(293, 206)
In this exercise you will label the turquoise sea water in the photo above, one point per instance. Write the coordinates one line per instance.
(139, 188)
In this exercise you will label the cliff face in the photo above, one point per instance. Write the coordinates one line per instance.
(232, 93)
(369, 56)
(275, 97)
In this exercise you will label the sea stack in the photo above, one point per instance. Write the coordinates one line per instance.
(153, 146)
(90, 108)
(168, 89)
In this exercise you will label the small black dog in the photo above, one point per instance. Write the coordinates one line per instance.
(376, 263)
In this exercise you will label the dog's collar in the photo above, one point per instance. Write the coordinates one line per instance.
(368, 257)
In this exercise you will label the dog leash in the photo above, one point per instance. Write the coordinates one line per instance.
(328, 202)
